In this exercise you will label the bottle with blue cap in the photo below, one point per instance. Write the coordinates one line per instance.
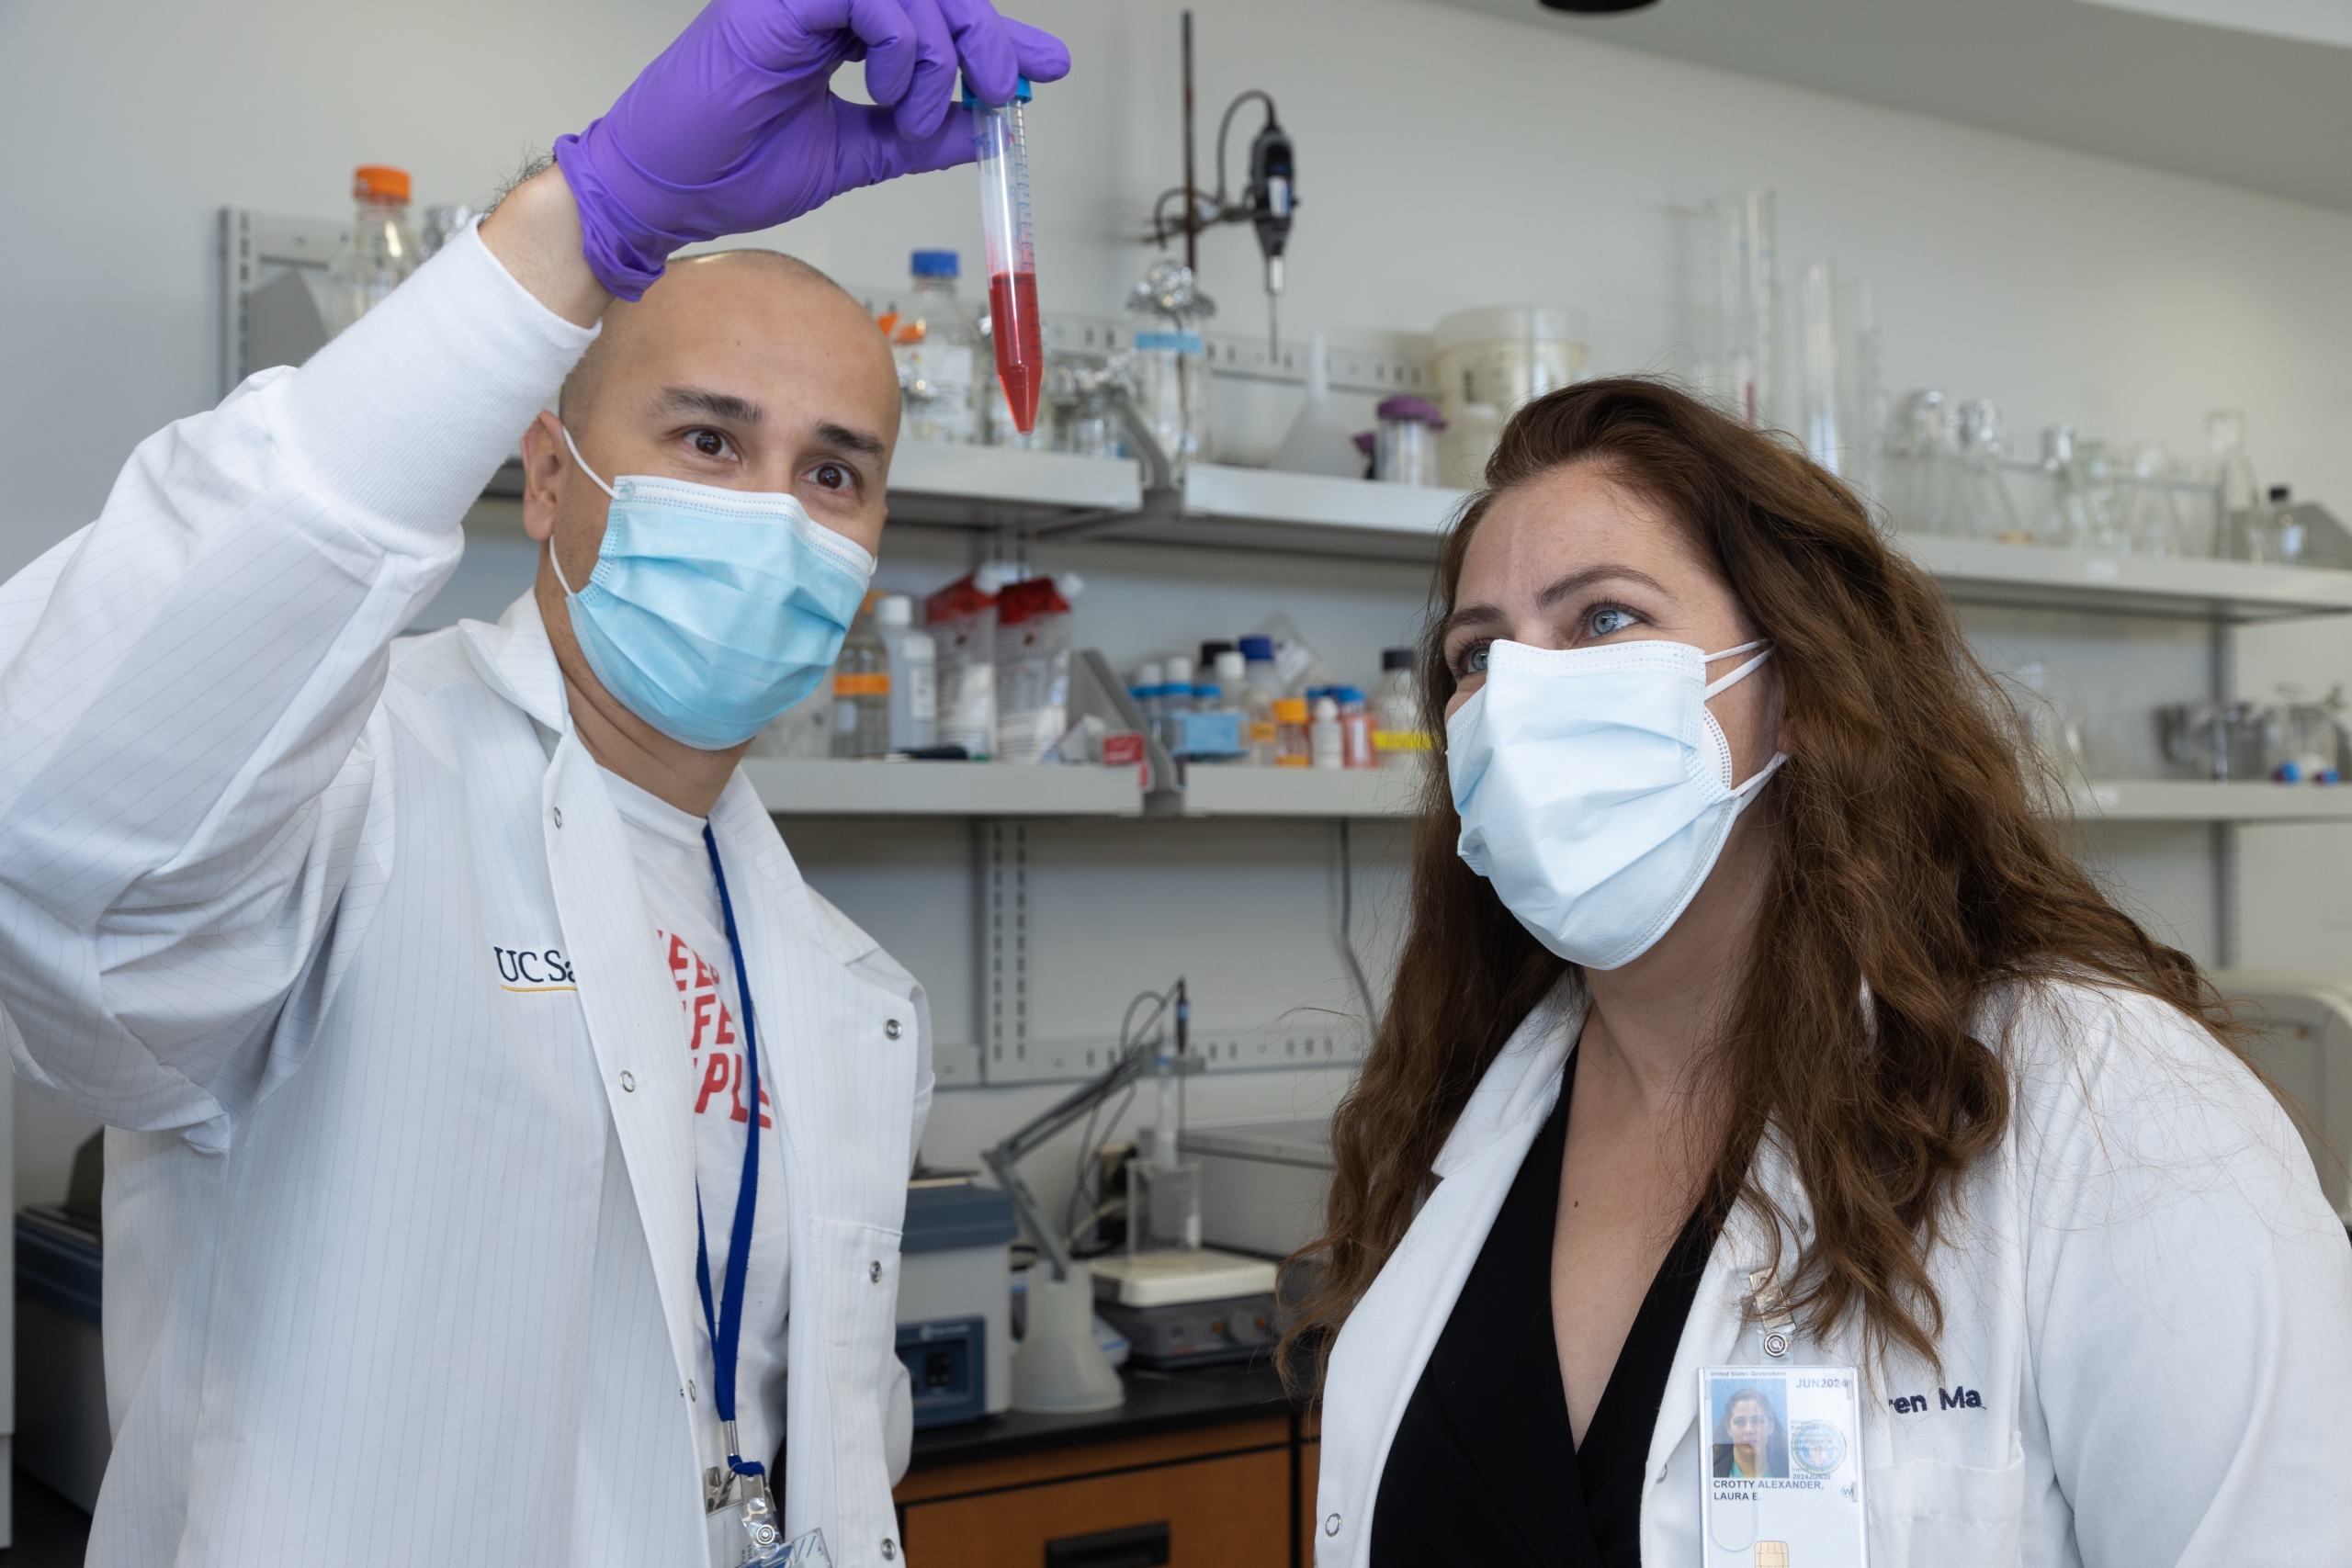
(936, 341)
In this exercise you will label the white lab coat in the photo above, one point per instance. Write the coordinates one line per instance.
(400, 1252)
(2147, 1341)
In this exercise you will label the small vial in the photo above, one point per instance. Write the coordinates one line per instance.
(1145, 690)
(1004, 151)
(1355, 728)
(1323, 742)
(1292, 749)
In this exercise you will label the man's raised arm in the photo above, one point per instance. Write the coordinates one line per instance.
(185, 684)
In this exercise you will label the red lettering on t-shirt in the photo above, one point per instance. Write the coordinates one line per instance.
(715, 1078)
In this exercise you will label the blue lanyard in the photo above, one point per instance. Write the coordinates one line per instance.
(726, 1324)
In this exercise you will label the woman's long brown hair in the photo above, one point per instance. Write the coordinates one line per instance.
(1909, 856)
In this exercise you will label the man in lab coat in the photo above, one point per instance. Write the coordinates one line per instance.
(461, 1023)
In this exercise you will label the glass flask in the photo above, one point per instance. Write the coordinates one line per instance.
(1980, 506)
(2064, 518)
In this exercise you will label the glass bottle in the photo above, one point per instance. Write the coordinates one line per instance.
(862, 689)
(1169, 367)
(937, 344)
(382, 249)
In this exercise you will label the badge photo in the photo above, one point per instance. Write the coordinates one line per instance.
(1782, 1482)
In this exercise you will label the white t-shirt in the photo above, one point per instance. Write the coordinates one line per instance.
(673, 868)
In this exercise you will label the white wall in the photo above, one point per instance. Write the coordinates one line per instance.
(1448, 159)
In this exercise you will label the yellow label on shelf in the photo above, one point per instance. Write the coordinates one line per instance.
(1400, 740)
(862, 685)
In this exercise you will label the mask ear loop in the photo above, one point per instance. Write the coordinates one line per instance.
(1743, 672)
(553, 558)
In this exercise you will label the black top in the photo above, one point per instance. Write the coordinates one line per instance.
(1478, 1473)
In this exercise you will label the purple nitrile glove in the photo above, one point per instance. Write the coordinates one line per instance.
(736, 128)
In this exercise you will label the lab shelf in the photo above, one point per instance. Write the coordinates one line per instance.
(796, 786)
(1004, 487)
(2191, 800)
(1977, 572)
(1259, 509)
(1292, 792)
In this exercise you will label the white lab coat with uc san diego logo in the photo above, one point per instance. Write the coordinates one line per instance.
(349, 945)
(2147, 1339)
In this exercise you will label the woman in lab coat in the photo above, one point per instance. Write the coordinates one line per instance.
(1752, 1017)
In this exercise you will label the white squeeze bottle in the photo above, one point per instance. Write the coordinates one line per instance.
(914, 674)
(1324, 747)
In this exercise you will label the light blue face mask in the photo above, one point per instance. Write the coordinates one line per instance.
(1596, 789)
(712, 610)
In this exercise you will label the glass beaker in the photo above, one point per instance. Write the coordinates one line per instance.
(1922, 450)
(1163, 1207)
(2150, 524)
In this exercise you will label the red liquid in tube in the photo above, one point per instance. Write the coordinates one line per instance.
(1020, 343)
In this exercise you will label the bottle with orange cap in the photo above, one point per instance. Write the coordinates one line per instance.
(381, 250)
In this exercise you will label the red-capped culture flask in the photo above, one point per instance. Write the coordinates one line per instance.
(1011, 255)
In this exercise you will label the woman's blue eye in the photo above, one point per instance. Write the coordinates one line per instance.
(1607, 622)
(1474, 661)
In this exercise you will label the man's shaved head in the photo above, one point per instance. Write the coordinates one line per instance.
(577, 401)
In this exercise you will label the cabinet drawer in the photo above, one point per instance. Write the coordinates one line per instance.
(1229, 1511)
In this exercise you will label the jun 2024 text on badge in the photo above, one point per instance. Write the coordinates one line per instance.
(1780, 1468)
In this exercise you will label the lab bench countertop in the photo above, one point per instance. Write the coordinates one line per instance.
(1157, 1401)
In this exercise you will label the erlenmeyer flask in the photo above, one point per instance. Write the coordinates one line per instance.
(2151, 524)
(1980, 506)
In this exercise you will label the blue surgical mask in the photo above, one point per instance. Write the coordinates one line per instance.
(1596, 789)
(712, 610)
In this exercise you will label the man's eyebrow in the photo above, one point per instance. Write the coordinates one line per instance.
(724, 406)
(842, 437)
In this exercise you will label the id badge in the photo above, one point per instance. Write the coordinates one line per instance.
(745, 1530)
(1781, 1471)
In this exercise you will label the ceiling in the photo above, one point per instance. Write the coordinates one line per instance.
(2253, 108)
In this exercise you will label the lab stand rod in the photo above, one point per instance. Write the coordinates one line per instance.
(1003, 1160)
(1192, 187)
(2229, 912)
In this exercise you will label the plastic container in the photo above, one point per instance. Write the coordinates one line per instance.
(914, 674)
(1325, 748)
(1508, 355)
(1261, 690)
(382, 250)
(1397, 739)
(1355, 728)
(862, 689)
(937, 341)
(1291, 748)
(1033, 642)
(1149, 678)
(1175, 698)
(961, 618)
(1405, 448)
